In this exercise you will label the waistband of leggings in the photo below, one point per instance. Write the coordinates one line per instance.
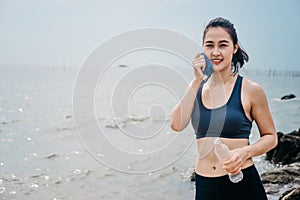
(245, 171)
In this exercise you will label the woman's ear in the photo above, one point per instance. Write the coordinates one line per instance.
(236, 47)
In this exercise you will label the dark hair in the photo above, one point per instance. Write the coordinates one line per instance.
(240, 56)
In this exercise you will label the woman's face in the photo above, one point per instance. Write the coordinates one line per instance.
(218, 46)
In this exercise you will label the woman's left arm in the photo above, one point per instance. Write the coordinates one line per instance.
(260, 112)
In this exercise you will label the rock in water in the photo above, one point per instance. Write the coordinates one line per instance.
(287, 150)
(292, 194)
(283, 175)
(287, 97)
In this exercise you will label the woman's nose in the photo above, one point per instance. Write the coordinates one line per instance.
(215, 52)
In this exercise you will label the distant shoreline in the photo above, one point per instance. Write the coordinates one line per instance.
(271, 72)
(252, 71)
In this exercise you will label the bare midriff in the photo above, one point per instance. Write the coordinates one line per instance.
(207, 163)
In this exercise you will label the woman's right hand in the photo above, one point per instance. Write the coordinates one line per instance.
(199, 65)
(182, 112)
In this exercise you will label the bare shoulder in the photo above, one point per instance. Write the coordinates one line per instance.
(253, 89)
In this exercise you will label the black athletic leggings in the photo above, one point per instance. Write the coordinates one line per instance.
(221, 188)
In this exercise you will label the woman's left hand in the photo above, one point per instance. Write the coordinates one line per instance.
(239, 158)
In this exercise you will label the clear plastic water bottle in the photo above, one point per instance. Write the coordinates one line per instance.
(223, 153)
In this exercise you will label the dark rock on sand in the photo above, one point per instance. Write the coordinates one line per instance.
(286, 153)
(282, 176)
(192, 177)
(272, 188)
(287, 150)
(292, 194)
(287, 97)
(285, 177)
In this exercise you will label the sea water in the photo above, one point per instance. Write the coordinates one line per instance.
(46, 153)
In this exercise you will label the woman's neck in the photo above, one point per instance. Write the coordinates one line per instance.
(224, 78)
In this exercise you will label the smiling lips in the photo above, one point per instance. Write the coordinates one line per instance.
(216, 61)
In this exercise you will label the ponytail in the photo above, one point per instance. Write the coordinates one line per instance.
(238, 60)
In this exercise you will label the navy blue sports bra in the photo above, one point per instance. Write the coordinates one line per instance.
(228, 121)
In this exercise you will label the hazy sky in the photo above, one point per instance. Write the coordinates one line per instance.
(46, 32)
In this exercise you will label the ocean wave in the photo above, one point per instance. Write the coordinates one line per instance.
(10, 121)
(122, 122)
(287, 100)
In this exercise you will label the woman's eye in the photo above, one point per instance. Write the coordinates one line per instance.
(223, 45)
(209, 45)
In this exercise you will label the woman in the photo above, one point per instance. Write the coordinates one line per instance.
(225, 106)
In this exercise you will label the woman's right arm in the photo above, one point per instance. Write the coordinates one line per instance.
(181, 114)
